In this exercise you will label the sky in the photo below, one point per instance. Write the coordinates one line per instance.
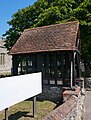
(8, 8)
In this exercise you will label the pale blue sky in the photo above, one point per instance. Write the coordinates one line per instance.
(9, 7)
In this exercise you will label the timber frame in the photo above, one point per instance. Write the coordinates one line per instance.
(59, 67)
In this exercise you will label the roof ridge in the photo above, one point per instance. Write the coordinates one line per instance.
(47, 26)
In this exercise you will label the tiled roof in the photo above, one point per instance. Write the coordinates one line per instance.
(47, 38)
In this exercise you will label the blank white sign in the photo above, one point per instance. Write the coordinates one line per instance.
(19, 88)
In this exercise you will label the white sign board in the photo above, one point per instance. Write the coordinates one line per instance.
(19, 88)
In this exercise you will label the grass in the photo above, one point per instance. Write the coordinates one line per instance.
(23, 110)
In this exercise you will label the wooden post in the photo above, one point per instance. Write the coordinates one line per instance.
(21, 66)
(6, 114)
(74, 68)
(71, 82)
(62, 64)
(15, 63)
(48, 74)
(34, 106)
(34, 62)
(78, 65)
(26, 65)
(55, 68)
(39, 64)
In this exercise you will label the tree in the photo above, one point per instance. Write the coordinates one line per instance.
(23, 19)
(42, 12)
(83, 14)
(46, 12)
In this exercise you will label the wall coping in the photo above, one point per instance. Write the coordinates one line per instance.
(63, 110)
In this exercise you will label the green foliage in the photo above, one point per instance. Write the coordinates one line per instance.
(83, 14)
(46, 12)
(48, 16)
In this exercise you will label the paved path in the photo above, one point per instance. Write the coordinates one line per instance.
(87, 106)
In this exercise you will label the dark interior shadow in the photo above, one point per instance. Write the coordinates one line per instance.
(18, 115)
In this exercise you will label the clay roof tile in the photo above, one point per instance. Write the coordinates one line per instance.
(47, 38)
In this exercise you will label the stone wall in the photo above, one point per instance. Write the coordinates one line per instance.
(53, 94)
(6, 67)
(88, 83)
(70, 109)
